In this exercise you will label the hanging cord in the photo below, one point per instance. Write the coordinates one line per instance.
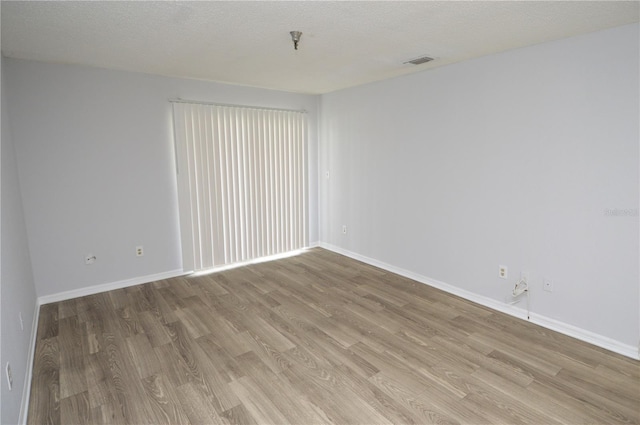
(521, 287)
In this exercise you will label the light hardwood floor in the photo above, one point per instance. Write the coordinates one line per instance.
(314, 339)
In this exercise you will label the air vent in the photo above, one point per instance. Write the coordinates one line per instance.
(420, 60)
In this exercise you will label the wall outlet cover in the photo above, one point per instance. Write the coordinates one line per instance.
(503, 273)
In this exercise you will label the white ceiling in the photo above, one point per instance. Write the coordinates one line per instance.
(344, 43)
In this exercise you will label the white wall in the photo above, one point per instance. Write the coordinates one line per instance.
(17, 290)
(96, 162)
(508, 159)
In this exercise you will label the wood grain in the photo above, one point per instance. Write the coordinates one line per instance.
(313, 339)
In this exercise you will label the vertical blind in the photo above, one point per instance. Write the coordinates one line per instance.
(242, 182)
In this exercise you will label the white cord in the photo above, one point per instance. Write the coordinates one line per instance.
(521, 287)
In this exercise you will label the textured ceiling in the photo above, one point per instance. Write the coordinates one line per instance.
(344, 43)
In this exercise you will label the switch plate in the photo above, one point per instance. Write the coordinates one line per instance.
(344, 229)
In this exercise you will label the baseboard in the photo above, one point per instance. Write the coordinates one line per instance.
(586, 336)
(546, 322)
(91, 290)
(26, 389)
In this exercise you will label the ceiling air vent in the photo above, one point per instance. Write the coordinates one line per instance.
(420, 60)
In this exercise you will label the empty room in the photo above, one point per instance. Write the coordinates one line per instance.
(320, 212)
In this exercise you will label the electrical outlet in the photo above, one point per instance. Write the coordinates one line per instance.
(139, 251)
(9, 376)
(21, 321)
(344, 229)
(547, 284)
(502, 272)
(89, 259)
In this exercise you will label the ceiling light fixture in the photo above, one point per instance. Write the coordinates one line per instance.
(295, 36)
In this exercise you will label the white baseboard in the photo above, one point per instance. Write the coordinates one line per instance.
(26, 389)
(91, 290)
(546, 322)
(586, 336)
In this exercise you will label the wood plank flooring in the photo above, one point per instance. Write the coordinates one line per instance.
(314, 339)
